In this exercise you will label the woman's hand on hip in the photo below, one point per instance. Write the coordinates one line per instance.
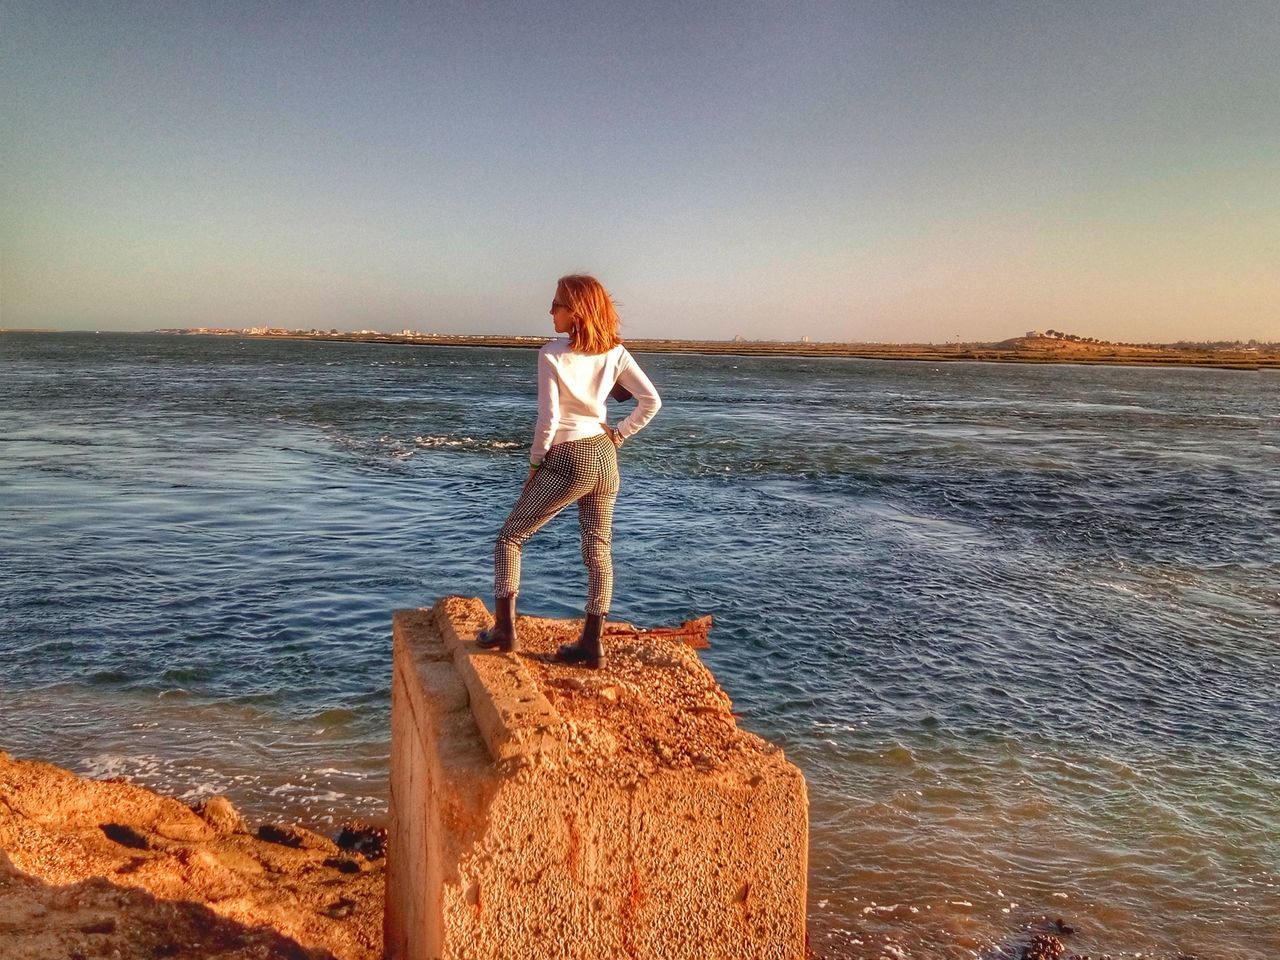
(614, 435)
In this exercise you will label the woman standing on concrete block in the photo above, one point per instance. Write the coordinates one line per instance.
(574, 457)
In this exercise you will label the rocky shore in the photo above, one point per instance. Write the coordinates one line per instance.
(93, 868)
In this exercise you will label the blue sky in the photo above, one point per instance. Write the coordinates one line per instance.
(854, 171)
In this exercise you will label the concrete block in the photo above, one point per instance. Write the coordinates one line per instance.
(539, 810)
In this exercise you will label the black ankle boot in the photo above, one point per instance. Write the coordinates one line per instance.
(502, 636)
(587, 651)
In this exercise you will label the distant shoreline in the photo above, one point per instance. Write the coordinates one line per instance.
(1017, 350)
(1020, 350)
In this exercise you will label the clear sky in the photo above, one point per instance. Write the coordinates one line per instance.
(896, 171)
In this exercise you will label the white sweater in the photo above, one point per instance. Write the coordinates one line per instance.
(573, 388)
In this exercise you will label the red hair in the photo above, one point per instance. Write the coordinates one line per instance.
(595, 319)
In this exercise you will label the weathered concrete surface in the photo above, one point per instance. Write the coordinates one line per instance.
(539, 810)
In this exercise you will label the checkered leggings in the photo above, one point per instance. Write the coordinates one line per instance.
(585, 471)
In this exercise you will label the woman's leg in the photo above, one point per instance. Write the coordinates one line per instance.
(595, 522)
(595, 519)
(549, 492)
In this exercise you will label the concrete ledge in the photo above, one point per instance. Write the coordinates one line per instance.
(515, 719)
(539, 810)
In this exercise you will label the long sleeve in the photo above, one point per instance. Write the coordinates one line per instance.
(548, 409)
(647, 400)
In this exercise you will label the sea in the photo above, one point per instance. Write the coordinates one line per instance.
(1018, 625)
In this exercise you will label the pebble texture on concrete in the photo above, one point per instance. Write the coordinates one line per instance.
(540, 810)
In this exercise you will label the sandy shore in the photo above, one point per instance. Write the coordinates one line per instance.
(94, 868)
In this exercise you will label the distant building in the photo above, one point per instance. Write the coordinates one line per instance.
(1033, 334)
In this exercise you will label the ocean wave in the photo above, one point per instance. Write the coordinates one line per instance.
(465, 443)
(397, 448)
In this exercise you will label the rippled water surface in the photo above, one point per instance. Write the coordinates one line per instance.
(1017, 624)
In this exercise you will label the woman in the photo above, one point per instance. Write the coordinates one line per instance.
(574, 458)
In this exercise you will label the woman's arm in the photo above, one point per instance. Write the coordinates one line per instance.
(548, 410)
(647, 400)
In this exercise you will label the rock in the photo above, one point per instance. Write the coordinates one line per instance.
(1043, 946)
(343, 864)
(361, 837)
(126, 836)
(185, 831)
(300, 838)
(86, 871)
(218, 813)
(238, 861)
(340, 909)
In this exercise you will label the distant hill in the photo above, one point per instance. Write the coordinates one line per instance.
(1063, 347)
